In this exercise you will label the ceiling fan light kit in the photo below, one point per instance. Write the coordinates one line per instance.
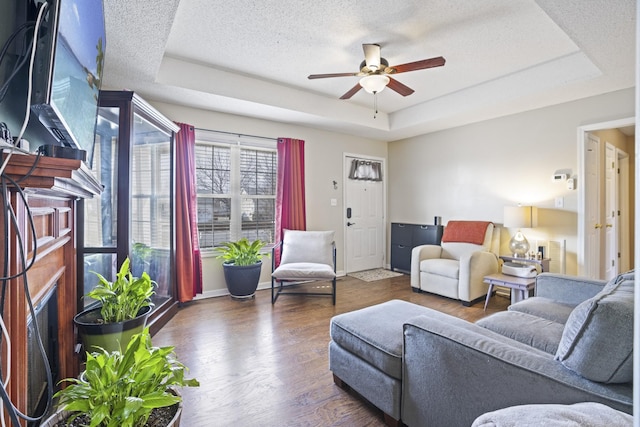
(374, 83)
(374, 72)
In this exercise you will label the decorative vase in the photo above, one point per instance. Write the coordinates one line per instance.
(242, 280)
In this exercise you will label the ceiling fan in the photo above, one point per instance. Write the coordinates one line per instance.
(375, 71)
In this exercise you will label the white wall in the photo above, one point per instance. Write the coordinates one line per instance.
(473, 171)
(323, 164)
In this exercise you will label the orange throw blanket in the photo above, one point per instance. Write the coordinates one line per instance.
(465, 231)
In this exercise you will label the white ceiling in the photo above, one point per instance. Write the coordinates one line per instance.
(253, 57)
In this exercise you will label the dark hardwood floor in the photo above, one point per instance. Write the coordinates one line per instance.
(267, 365)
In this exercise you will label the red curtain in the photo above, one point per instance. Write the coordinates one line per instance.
(188, 259)
(290, 200)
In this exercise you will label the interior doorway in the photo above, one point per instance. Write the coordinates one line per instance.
(604, 216)
(364, 231)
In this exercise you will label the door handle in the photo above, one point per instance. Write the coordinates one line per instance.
(597, 226)
(349, 224)
(609, 225)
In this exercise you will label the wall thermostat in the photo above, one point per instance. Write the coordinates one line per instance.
(560, 176)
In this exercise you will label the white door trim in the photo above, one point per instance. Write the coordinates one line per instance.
(582, 130)
(385, 183)
(624, 219)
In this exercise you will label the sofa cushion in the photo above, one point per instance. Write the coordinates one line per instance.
(597, 342)
(535, 331)
(375, 333)
(545, 308)
(441, 267)
(584, 414)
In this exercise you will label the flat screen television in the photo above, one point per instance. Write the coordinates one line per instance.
(68, 71)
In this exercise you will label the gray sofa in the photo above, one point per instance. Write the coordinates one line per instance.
(571, 343)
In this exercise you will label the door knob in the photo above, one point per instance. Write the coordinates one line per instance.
(349, 224)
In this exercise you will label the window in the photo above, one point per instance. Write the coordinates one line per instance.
(236, 186)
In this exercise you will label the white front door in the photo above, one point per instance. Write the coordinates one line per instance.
(364, 221)
(610, 214)
(592, 206)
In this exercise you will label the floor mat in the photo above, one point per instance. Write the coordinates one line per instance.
(375, 274)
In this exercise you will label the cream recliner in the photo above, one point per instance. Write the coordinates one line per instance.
(456, 268)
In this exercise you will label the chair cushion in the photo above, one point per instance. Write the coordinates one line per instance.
(303, 271)
(545, 308)
(597, 342)
(307, 246)
(441, 267)
(535, 331)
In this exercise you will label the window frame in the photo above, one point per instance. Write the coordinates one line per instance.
(236, 144)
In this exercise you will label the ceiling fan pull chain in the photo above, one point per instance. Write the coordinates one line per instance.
(375, 104)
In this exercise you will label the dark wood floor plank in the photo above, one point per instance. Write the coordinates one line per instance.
(267, 365)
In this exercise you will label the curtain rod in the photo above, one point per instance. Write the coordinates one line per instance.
(237, 134)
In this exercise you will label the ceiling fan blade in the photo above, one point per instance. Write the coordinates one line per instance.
(372, 56)
(351, 91)
(399, 87)
(324, 76)
(418, 65)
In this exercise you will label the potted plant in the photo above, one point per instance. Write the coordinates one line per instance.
(242, 265)
(124, 306)
(130, 389)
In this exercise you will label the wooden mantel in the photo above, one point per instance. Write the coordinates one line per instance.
(51, 187)
(61, 176)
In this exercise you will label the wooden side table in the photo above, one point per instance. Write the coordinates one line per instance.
(520, 286)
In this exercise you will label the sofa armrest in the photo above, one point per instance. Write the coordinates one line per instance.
(454, 371)
(418, 254)
(571, 290)
(473, 268)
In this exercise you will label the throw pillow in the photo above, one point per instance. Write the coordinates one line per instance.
(307, 246)
(597, 341)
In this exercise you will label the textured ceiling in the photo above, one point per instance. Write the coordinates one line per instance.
(253, 58)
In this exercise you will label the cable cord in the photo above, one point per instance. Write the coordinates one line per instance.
(9, 215)
(27, 113)
(18, 65)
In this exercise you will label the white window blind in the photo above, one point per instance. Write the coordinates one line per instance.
(236, 187)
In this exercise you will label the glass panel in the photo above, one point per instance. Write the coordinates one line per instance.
(214, 221)
(258, 219)
(151, 180)
(100, 211)
(258, 172)
(104, 264)
(213, 169)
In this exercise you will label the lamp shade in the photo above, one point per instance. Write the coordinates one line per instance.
(520, 216)
(374, 83)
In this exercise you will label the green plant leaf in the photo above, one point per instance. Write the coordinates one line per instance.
(241, 252)
(123, 298)
(121, 389)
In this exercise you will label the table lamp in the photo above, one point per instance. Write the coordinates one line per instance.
(519, 217)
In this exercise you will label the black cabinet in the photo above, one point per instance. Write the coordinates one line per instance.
(404, 237)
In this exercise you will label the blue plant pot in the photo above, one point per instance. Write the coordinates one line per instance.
(242, 280)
